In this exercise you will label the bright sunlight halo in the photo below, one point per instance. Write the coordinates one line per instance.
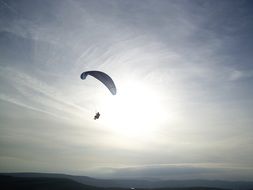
(136, 110)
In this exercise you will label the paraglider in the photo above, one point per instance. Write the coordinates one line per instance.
(105, 79)
(97, 116)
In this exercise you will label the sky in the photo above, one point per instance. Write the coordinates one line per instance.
(183, 71)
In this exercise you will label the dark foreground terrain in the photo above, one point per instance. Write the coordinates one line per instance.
(43, 183)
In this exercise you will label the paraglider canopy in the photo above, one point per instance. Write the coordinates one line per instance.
(103, 77)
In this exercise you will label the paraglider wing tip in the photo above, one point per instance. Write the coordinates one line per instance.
(83, 76)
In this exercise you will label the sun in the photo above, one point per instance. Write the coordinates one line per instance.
(136, 110)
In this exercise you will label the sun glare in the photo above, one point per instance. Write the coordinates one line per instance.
(136, 110)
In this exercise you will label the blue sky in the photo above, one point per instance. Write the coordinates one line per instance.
(183, 71)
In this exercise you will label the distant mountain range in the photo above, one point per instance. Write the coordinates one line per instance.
(62, 181)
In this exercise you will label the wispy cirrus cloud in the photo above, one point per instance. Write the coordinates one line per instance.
(35, 94)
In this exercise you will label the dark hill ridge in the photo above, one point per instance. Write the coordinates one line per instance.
(41, 183)
(136, 183)
(45, 183)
